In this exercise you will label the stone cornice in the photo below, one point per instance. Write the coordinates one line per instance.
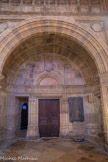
(54, 5)
(58, 13)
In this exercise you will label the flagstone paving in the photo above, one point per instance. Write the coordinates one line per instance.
(53, 150)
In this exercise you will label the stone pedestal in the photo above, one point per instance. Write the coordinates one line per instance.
(33, 130)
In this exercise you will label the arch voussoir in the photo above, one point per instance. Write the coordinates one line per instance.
(97, 49)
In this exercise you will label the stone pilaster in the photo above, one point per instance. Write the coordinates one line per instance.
(63, 117)
(104, 92)
(2, 115)
(94, 123)
(10, 116)
(33, 130)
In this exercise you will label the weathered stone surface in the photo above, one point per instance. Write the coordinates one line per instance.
(54, 49)
(53, 150)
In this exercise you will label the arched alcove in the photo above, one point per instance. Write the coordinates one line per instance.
(30, 49)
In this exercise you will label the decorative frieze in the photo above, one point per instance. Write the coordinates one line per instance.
(28, 2)
(15, 1)
(4, 1)
(74, 6)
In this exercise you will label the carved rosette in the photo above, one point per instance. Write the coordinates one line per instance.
(97, 26)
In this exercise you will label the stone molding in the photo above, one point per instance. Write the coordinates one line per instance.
(11, 38)
(43, 75)
(47, 6)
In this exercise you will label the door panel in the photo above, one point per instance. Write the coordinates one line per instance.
(49, 117)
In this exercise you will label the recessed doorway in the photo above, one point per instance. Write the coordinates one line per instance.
(24, 116)
(21, 119)
(49, 117)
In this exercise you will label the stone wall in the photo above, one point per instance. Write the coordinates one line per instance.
(48, 66)
(3, 114)
(67, 81)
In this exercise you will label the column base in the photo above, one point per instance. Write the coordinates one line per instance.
(32, 137)
(32, 133)
(93, 129)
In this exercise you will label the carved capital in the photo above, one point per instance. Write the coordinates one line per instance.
(65, 100)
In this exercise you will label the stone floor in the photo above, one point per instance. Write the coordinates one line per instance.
(52, 150)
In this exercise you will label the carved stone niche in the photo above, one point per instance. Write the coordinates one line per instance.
(72, 2)
(28, 2)
(15, 1)
(39, 2)
(95, 2)
(50, 1)
(4, 1)
(84, 2)
(61, 2)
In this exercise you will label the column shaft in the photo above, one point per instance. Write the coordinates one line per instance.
(33, 131)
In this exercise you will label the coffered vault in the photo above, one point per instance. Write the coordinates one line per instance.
(50, 43)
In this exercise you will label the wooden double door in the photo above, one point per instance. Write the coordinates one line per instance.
(49, 117)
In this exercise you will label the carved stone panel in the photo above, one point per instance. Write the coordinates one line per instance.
(76, 112)
(48, 62)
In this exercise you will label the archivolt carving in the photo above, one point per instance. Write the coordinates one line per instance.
(44, 74)
(86, 38)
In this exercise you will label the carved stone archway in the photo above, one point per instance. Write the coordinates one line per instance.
(96, 48)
